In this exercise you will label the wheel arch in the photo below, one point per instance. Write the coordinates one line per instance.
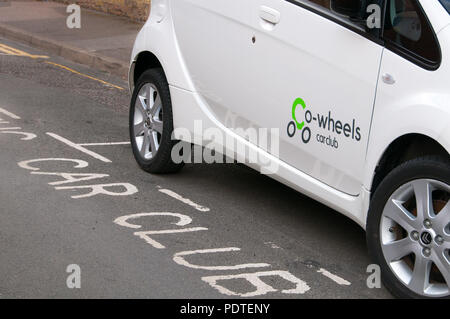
(144, 61)
(412, 145)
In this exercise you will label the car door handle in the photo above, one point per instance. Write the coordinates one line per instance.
(269, 15)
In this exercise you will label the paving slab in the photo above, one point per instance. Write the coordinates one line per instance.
(104, 41)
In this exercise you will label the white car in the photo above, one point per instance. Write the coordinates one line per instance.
(358, 92)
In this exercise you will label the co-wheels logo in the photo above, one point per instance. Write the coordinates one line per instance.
(333, 128)
(295, 125)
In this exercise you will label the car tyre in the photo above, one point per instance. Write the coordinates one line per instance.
(151, 124)
(396, 225)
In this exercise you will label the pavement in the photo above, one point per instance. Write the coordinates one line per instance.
(103, 42)
(195, 234)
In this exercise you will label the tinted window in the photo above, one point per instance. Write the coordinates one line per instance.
(323, 3)
(326, 4)
(446, 4)
(352, 13)
(408, 28)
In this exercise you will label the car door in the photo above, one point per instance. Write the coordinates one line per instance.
(292, 65)
(215, 41)
(315, 75)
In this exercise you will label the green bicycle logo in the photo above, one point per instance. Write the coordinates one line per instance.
(295, 125)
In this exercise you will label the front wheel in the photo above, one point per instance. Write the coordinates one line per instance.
(408, 230)
(151, 123)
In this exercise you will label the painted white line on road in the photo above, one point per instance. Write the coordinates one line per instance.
(105, 144)
(3, 122)
(9, 128)
(26, 164)
(9, 114)
(261, 288)
(123, 220)
(179, 259)
(79, 147)
(184, 200)
(101, 189)
(335, 278)
(183, 221)
(71, 177)
(26, 136)
(145, 235)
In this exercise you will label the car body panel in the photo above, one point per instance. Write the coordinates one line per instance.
(438, 16)
(159, 38)
(417, 103)
(290, 62)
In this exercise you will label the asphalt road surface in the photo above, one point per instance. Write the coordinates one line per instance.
(195, 234)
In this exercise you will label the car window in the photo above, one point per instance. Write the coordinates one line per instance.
(446, 4)
(326, 8)
(322, 3)
(407, 27)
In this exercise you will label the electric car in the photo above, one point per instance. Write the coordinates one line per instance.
(356, 95)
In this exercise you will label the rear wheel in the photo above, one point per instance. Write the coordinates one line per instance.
(408, 230)
(151, 123)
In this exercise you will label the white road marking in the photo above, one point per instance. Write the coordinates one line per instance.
(254, 279)
(25, 164)
(183, 221)
(9, 128)
(101, 189)
(178, 258)
(184, 200)
(71, 177)
(9, 114)
(335, 278)
(145, 235)
(26, 136)
(79, 148)
(105, 144)
(123, 220)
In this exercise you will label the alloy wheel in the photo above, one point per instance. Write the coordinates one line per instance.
(415, 236)
(148, 121)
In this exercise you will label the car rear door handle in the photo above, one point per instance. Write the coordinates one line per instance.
(269, 15)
